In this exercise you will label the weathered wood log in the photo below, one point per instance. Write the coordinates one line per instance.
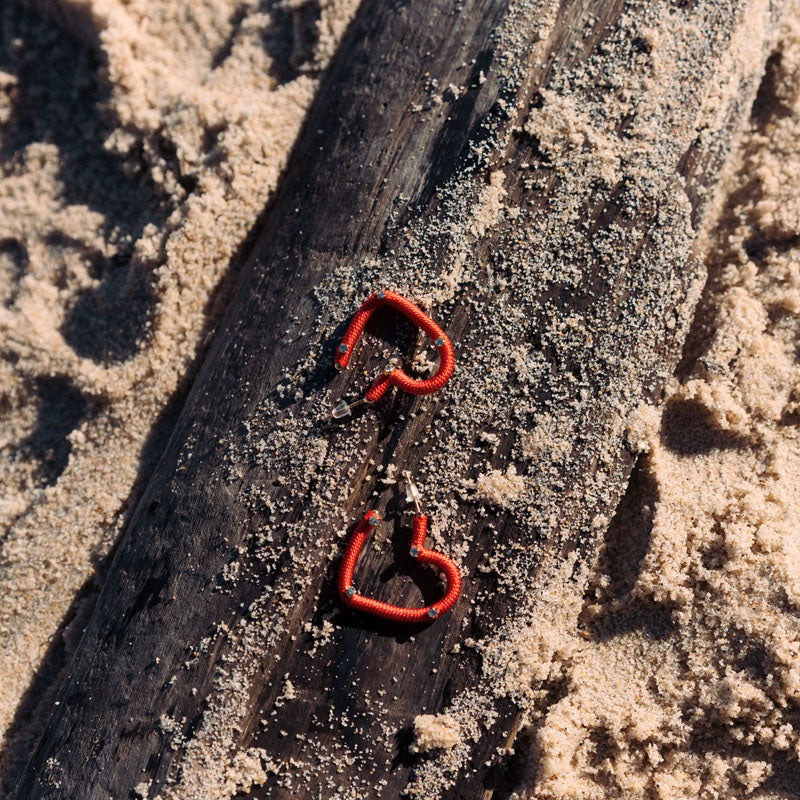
(457, 151)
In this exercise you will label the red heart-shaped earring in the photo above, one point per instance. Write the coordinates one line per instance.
(393, 375)
(418, 551)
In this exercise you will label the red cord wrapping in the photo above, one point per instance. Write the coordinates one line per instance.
(420, 524)
(386, 610)
(397, 376)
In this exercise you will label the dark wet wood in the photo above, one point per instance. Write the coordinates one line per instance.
(362, 162)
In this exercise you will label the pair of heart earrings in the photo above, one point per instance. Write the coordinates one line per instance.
(389, 377)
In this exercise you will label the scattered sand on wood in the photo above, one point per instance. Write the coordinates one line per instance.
(498, 488)
(490, 207)
(676, 674)
(137, 152)
(435, 732)
(542, 246)
(651, 676)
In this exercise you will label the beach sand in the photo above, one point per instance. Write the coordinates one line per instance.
(139, 145)
(139, 142)
(676, 674)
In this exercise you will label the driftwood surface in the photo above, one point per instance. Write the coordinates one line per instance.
(364, 165)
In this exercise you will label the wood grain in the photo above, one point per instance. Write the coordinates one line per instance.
(363, 165)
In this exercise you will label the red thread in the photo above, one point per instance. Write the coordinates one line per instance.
(386, 610)
(397, 376)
